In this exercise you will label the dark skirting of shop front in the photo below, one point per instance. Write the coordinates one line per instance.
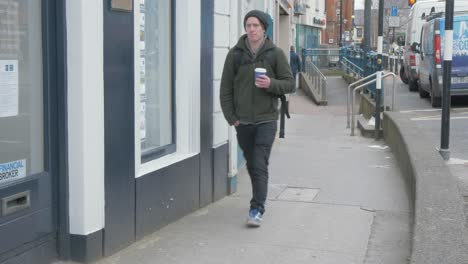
(119, 117)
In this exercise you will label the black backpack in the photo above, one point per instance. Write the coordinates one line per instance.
(270, 59)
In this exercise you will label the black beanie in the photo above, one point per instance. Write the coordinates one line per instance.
(262, 17)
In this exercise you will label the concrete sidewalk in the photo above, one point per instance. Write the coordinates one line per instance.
(333, 199)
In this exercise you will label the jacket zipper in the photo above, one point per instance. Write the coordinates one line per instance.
(253, 95)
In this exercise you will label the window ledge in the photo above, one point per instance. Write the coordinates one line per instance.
(162, 162)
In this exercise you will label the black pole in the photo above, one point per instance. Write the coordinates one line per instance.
(367, 25)
(445, 126)
(378, 91)
(380, 33)
(341, 23)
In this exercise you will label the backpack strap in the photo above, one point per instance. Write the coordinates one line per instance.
(238, 56)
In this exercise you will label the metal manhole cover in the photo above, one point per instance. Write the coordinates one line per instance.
(298, 194)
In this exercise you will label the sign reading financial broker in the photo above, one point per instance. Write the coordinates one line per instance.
(12, 171)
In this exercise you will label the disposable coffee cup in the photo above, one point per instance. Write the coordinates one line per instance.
(259, 72)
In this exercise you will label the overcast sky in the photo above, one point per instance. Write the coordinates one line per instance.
(358, 4)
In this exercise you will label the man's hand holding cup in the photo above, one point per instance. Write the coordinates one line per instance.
(261, 79)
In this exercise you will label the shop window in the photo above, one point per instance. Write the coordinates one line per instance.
(21, 90)
(157, 109)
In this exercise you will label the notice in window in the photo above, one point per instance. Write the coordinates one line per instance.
(142, 72)
(11, 171)
(8, 88)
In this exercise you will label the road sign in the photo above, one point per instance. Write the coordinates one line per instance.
(394, 11)
(394, 21)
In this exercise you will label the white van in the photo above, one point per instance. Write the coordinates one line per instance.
(409, 73)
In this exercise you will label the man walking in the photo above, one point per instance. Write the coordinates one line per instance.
(295, 62)
(250, 103)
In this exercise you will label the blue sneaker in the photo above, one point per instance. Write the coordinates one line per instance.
(255, 218)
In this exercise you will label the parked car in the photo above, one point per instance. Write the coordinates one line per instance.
(431, 66)
(409, 71)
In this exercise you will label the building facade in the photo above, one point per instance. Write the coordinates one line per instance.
(390, 33)
(310, 23)
(359, 27)
(333, 21)
(110, 125)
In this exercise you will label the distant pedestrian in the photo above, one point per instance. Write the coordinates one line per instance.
(250, 101)
(295, 62)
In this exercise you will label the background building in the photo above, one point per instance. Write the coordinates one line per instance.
(310, 23)
(359, 27)
(390, 33)
(333, 21)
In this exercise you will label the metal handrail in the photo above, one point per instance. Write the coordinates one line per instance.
(318, 79)
(330, 52)
(320, 54)
(351, 69)
(317, 70)
(321, 57)
(348, 68)
(354, 65)
(335, 49)
(365, 84)
(348, 95)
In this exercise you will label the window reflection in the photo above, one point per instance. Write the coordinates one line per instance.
(155, 76)
(21, 91)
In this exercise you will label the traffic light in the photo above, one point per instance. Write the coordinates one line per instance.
(411, 2)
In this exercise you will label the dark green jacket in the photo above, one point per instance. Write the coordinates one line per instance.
(240, 98)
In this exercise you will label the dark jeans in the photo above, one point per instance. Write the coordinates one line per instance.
(256, 142)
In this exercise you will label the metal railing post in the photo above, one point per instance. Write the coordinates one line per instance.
(317, 79)
(348, 96)
(352, 102)
(363, 85)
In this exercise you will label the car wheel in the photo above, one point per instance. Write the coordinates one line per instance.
(422, 93)
(435, 101)
(403, 77)
(413, 85)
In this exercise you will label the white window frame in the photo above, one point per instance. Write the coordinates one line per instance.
(187, 87)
